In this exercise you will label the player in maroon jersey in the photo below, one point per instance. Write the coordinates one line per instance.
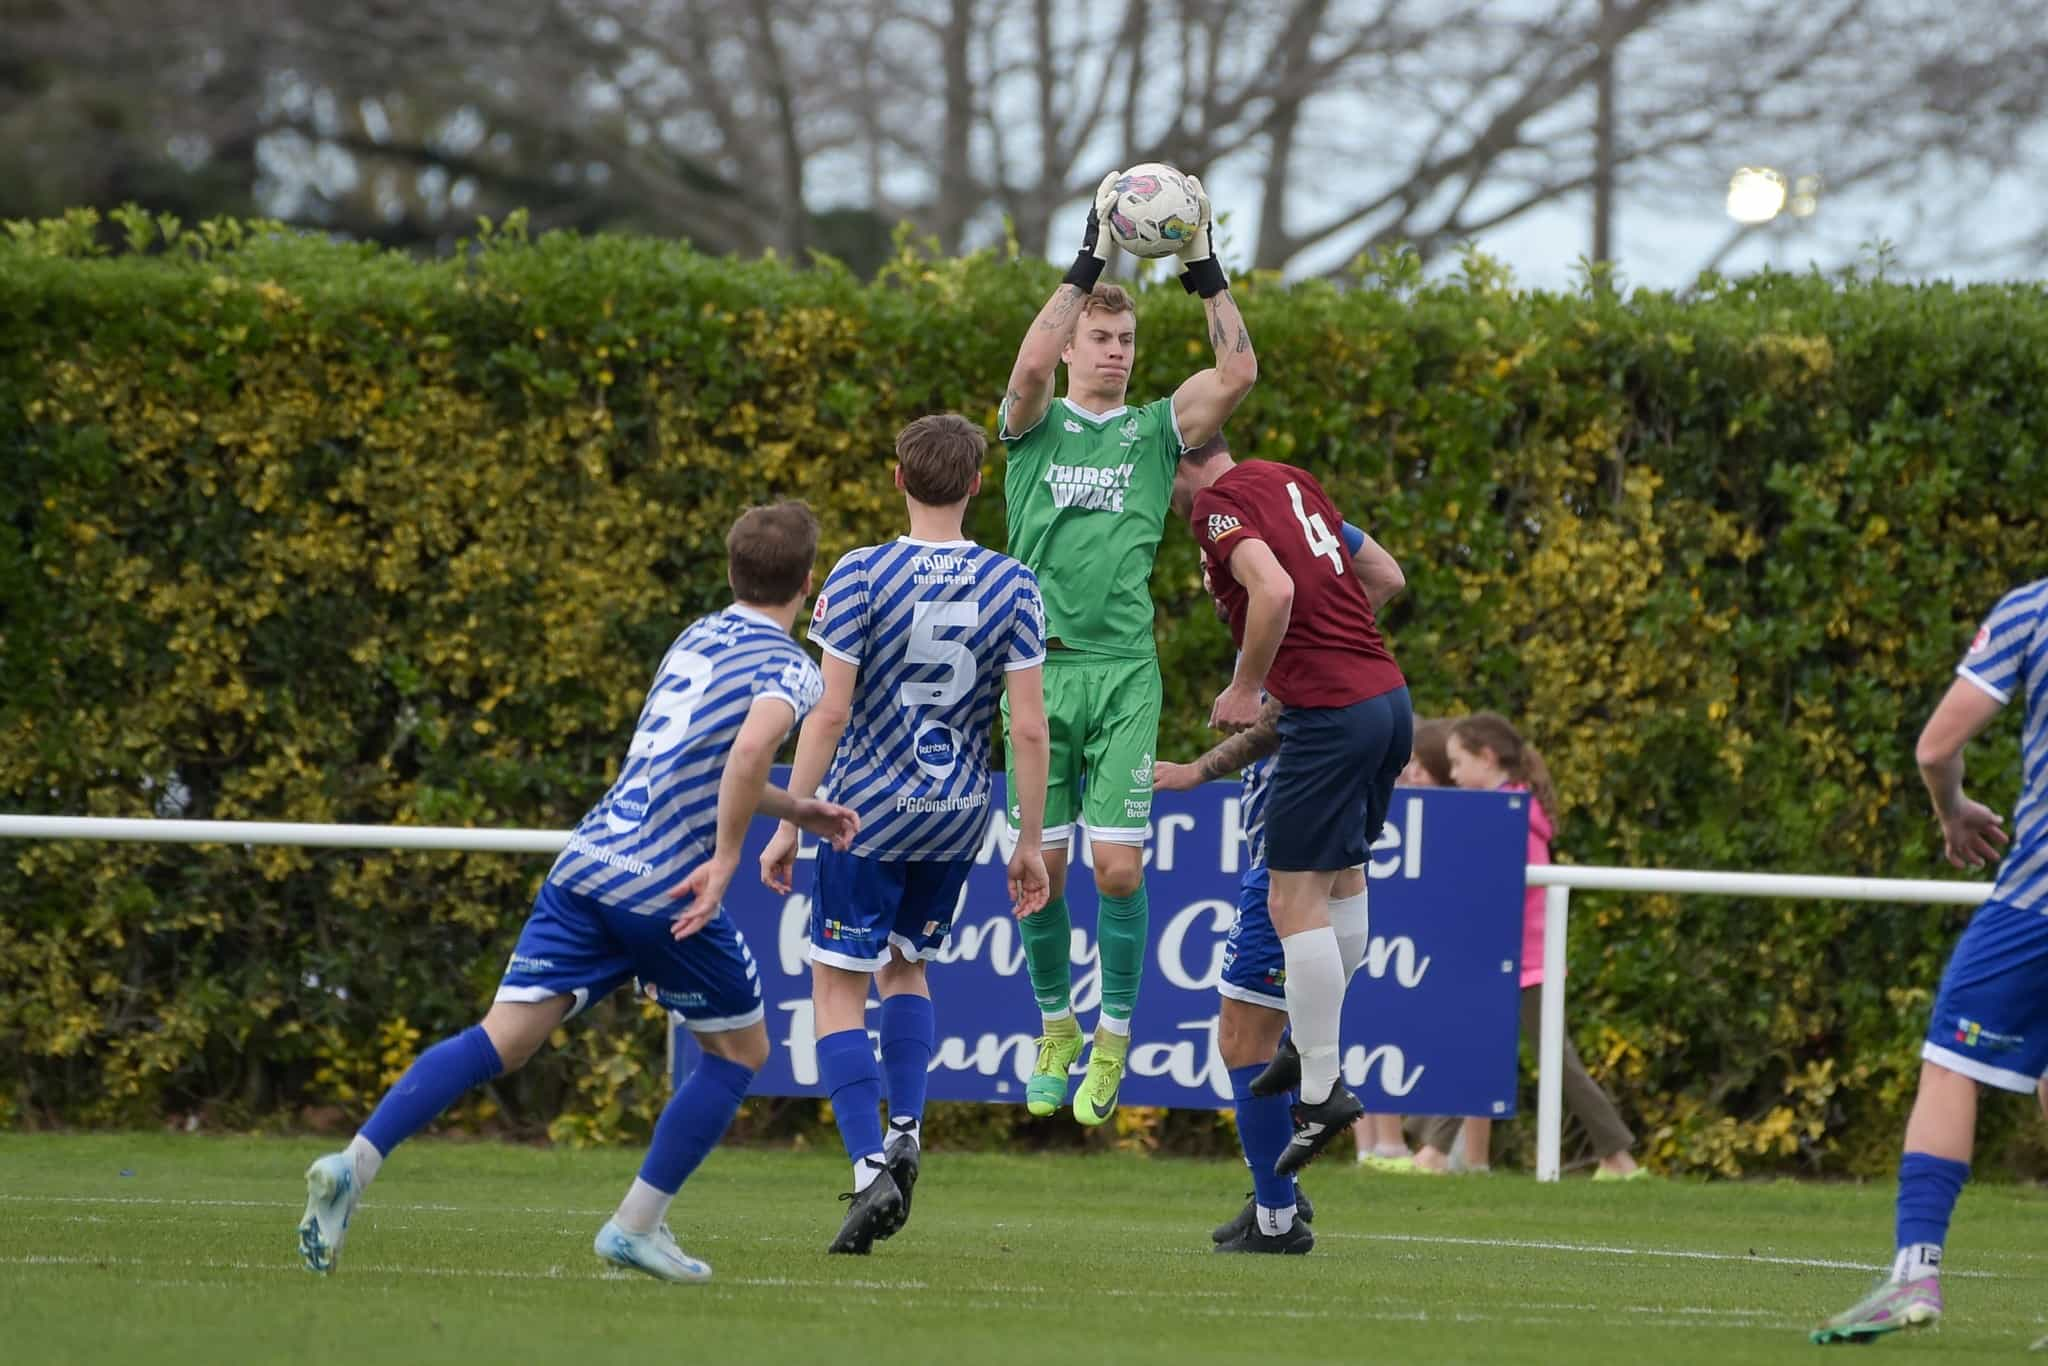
(1306, 635)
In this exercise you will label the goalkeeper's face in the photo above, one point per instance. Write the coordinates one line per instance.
(1100, 356)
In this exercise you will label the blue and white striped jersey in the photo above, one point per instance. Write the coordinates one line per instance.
(932, 627)
(2008, 659)
(660, 819)
(1257, 781)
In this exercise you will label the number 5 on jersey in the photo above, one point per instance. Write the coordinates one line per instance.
(925, 647)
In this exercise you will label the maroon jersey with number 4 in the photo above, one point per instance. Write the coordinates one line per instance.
(1332, 655)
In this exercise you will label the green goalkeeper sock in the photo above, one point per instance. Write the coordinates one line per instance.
(1048, 956)
(1122, 936)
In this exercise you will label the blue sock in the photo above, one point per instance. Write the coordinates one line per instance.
(1928, 1189)
(1264, 1128)
(693, 1121)
(430, 1085)
(846, 1064)
(909, 1033)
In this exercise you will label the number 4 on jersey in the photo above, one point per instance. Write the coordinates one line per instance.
(1320, 541)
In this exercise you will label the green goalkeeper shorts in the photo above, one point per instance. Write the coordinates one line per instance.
(1103, 713)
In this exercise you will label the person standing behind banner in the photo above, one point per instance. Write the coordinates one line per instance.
(1381, 1144)
(1487, 753)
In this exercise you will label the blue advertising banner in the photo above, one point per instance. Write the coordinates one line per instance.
(1430, 1022)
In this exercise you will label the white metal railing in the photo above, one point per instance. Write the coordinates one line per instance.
(1558, 879)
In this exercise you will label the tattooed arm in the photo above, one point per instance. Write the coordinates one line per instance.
(1246, 747)
(1038, 359)
(1205, 399)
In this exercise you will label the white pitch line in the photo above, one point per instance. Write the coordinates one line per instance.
(1523, 1314)
(1613, 1250)
(1421, 1239)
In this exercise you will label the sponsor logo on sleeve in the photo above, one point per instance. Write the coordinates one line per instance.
(1983, 640)
(1222, 524)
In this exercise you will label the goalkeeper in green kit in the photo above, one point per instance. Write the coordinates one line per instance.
(1087, 489)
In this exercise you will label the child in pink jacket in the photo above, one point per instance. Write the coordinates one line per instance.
(1487, 752)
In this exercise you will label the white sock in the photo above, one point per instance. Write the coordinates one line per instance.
(904, 1124)
(1053, 1022)
(865, 1171)
(1353, 928)
(1917, 1262)
(1110, 1024)
(1315, 998)
(643, 1209)
(1274, 1222)
(367, 1160)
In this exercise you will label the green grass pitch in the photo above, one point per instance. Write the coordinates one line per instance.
(149, 1248)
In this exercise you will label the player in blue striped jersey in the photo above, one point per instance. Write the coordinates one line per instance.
(1990, 1021)
(1251, 1020)
(921, 636)
(727, 694)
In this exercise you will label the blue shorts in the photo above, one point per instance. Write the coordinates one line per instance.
(575, 945)
(860, 906)
(1990, 1019)
(1254, 968)
(1332, 781)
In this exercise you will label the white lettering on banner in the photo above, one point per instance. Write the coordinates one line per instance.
(1235, 837)
(1088, 986)
(1172, 955)
(998, 844)
(1193, 1063)
(1163, 831)
(1394, 1079)
(1414, 865)
(793, 935)
(995, 938)
(990, 1055)
(802, 1042)
(1391, 837)
(1399, 951)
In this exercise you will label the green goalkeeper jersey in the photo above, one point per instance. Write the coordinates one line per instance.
(1087, 500)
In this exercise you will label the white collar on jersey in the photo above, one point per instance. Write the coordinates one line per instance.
(739, 609)
(932, 545)
(1096, 417)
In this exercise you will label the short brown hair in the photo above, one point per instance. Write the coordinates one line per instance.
(1431, 748)
(1209, 450)
(1109, 299)
(940, 455)
(769, 552)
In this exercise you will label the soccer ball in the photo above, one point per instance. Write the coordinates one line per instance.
(1155, 212)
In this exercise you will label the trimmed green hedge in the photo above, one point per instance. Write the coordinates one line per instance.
(302, 531)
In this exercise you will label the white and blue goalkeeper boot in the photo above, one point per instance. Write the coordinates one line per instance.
(331, 1195)
(652, 1254)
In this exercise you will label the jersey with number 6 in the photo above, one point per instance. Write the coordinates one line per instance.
(1333, 654)
(932, 627)
(660, 819)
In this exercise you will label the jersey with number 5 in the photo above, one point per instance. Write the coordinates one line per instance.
(932, 627)
(660, 819)
(1333, 654)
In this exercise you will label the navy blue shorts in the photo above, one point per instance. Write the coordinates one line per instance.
(1332, 781)
(1990, 1019)
(575, 945)
(860, 906)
